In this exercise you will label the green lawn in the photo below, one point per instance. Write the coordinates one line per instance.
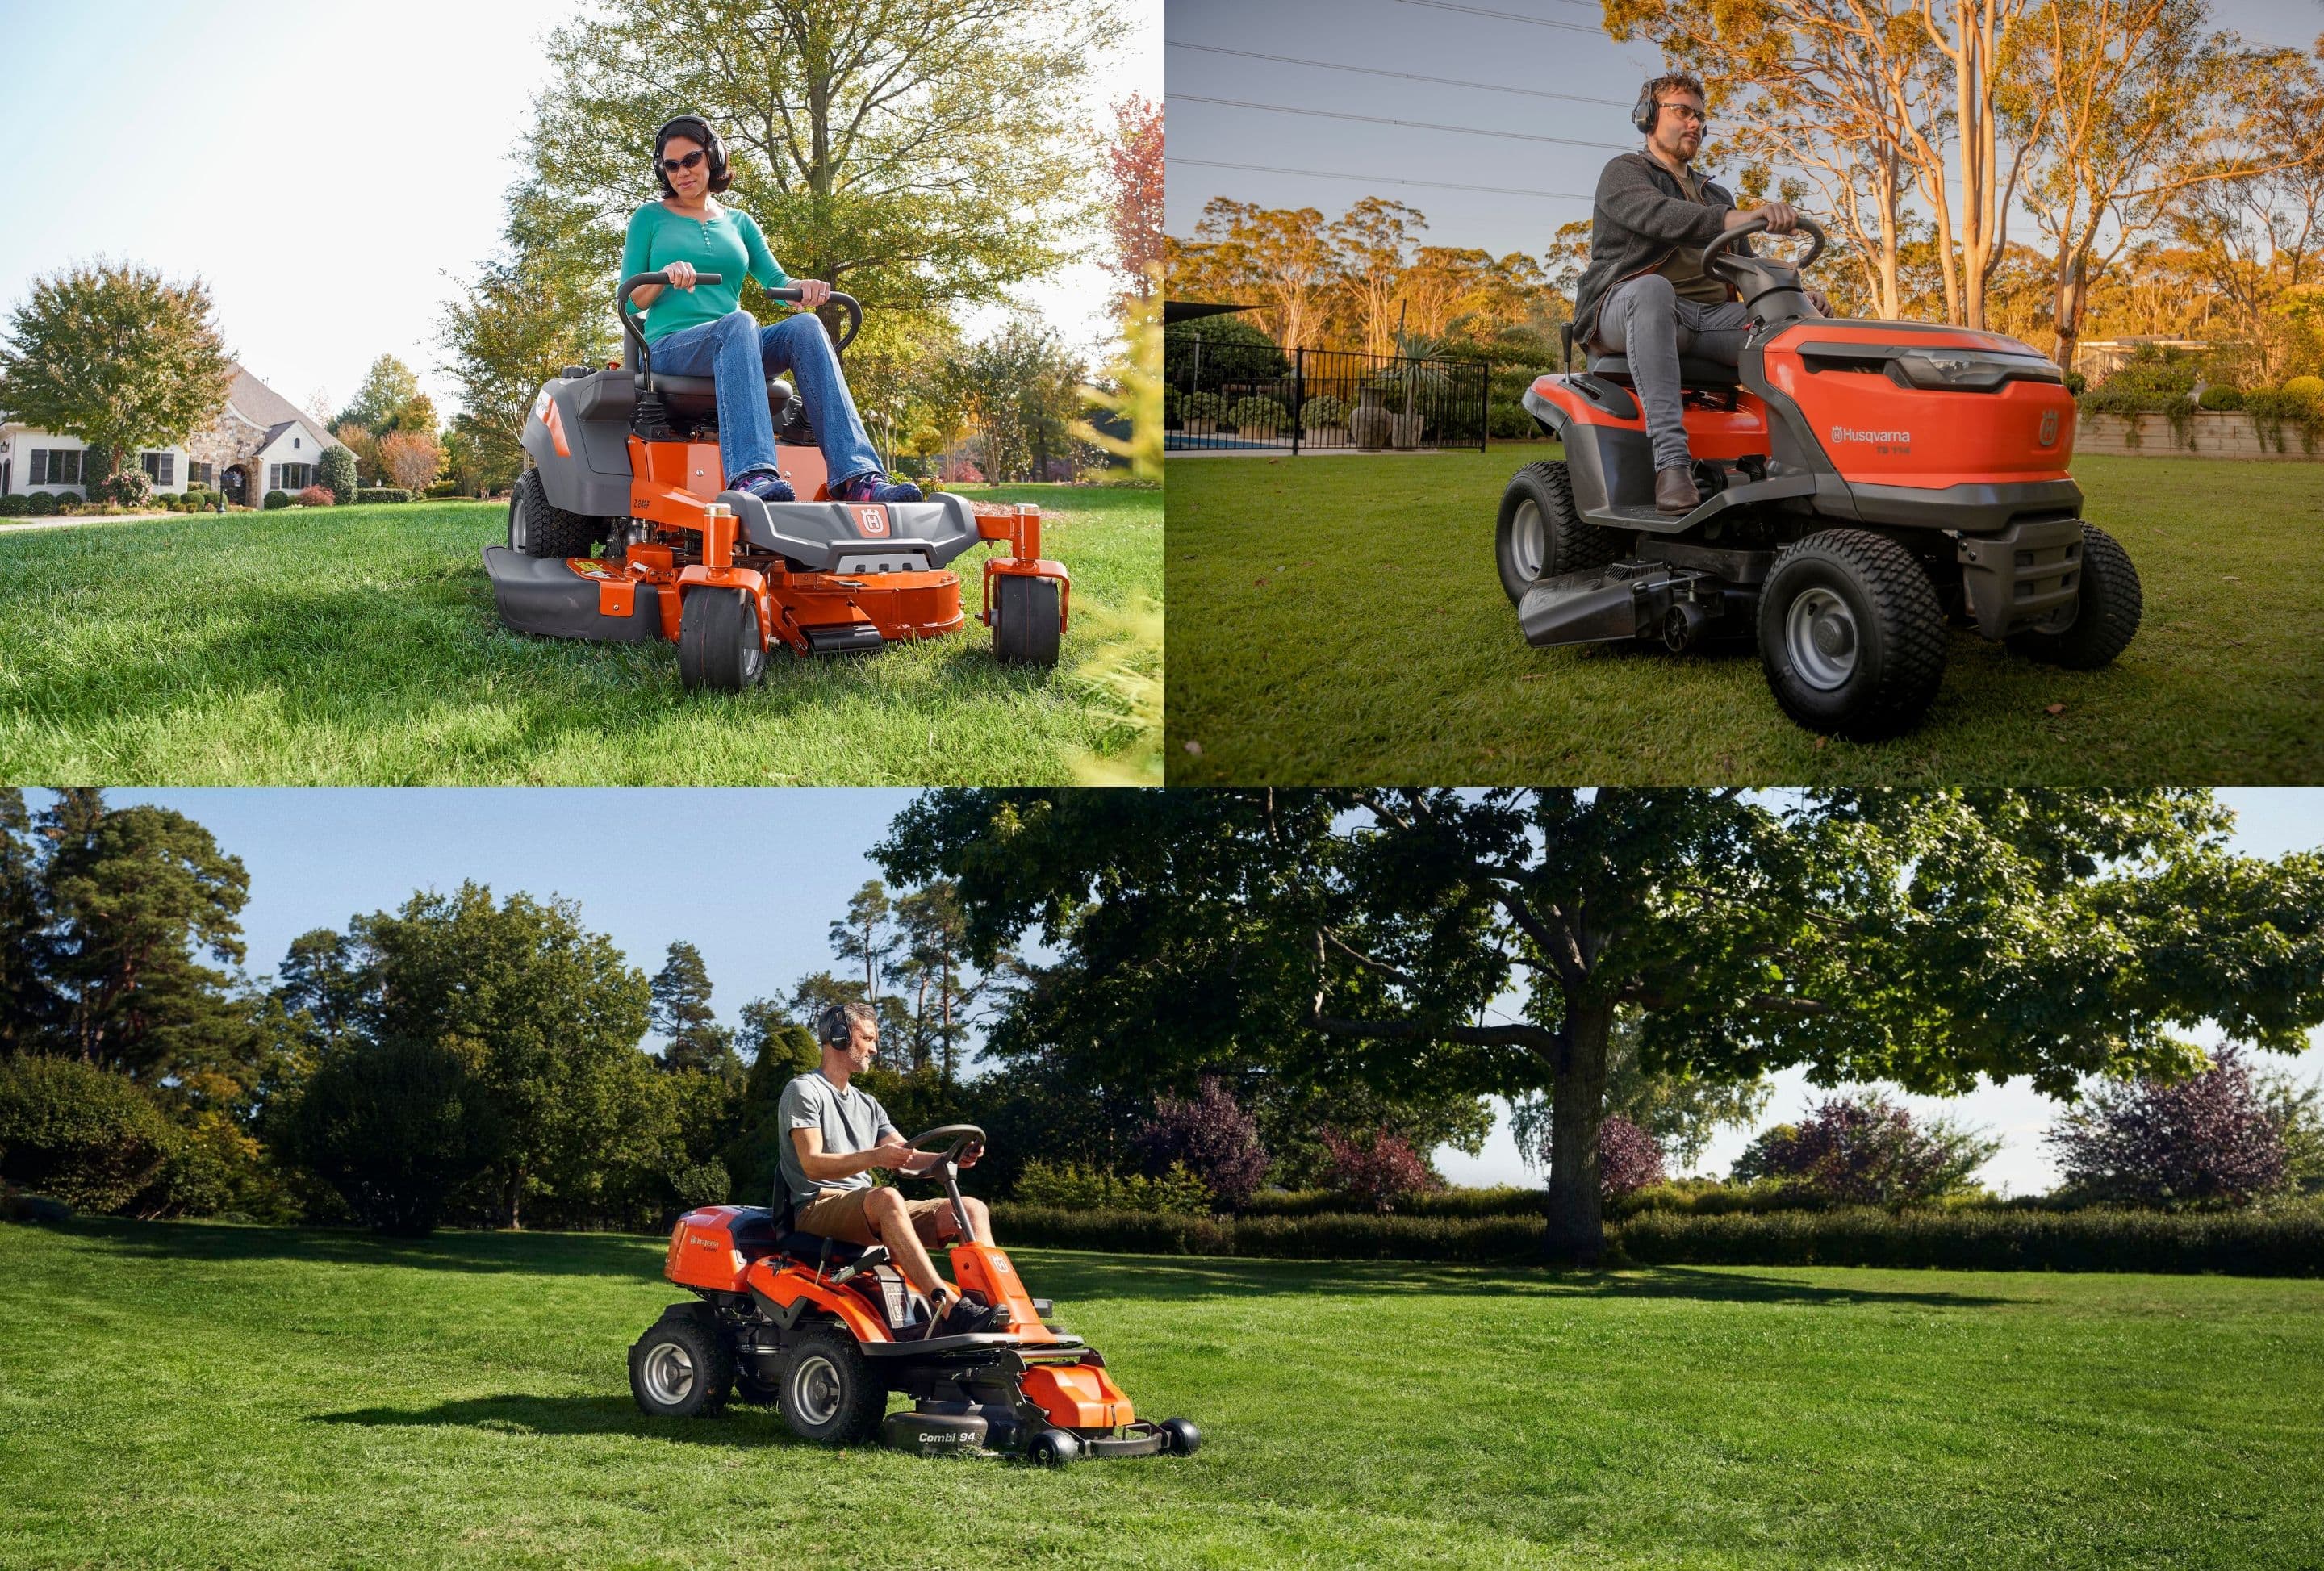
(360, 646)
(191, 1395)
(1338, 620)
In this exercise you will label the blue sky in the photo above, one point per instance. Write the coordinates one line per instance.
(1561, 50)
(776, 865)
(330, 168)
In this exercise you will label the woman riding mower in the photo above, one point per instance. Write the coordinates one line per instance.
(698, 329)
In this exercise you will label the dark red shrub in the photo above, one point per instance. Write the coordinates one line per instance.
(1377, 1169)
(1865, 1150)
(1628, 1158)
(2212, 1137)
(1212, 1135)
(315, 496)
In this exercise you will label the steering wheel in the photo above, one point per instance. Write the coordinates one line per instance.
(1718, 247)
(949, 1139)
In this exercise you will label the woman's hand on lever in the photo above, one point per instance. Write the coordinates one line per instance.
(813, 291)
(680, 274)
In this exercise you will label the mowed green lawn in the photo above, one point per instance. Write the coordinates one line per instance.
(1340, 620)
(202, 1395)
(360, 646)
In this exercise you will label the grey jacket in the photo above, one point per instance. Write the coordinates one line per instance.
(1641, 216)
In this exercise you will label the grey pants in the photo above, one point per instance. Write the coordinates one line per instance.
(1645, 320)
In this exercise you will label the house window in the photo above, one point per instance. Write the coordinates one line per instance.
(161, 468)
(198, 474)
(56, 467)
(294, 441)
(290, 476)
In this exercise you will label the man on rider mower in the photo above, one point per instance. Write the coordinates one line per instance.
(838, 1134)
(1645, 293)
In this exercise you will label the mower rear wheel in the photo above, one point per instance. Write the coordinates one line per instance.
(680, 1369)
(2112, 602)
(829, 1393)
(1851, 635)
(1025, 620)
(1540, 534)
(538, 529)
(718, 641)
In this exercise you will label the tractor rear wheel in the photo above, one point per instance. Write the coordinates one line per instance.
(2112, 602)
(1851, 635)
(829, 1393)
(680, 1369)
(538, 529)
(1025, 620)
(1540, 534)
(718, 643)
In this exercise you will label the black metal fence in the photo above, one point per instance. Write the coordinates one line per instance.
(1230, 394)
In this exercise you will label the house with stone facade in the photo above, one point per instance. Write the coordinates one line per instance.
(260, 442)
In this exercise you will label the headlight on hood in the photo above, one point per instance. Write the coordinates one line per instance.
(1973, 370)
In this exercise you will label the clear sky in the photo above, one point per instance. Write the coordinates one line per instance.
(1538, 46)
(330, 168)
(779, 864)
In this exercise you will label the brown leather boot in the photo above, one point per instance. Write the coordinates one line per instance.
(1675, 490)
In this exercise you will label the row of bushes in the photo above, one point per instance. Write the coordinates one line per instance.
(2289, 1243)
(1253, 412)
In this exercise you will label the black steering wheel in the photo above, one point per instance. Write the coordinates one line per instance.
(948, 1138)
(1718, 247)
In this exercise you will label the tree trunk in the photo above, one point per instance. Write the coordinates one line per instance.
(2066, 310)
(515, 1191)
(1576, 1235)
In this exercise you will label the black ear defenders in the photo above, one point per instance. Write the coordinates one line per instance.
(1644, 113)
(831, 1028)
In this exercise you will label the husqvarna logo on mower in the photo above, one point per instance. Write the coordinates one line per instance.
(2049, 426)
(871, 521)
(1845, 434)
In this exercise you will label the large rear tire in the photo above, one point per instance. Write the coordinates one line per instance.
(829, 1393)
(1540, 534)
(718, 643)
(1025, 630)
(2112, 602)
(680, 1369)
(538, 529)
(1851, 635)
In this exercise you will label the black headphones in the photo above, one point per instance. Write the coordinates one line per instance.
(831, 1028)
(697, 129)
(1643, 114)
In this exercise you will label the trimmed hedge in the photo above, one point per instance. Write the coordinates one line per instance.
(1507, 1201)
(76, 1133)
(2239, 1243)
(44, 504)
(382, 493)
(15, 504)
(276, 499)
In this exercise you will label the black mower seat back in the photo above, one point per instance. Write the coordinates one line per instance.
(1692, 372)
(858, 538)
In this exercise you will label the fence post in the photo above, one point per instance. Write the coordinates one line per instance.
(1298, 396)
(1485, 406)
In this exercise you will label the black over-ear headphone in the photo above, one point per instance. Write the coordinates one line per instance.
(697, 129)
(1643, 114)
(832, 1029)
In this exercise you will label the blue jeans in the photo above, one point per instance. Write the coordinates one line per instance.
(742, 357)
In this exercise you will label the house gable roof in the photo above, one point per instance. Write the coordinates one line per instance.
(262, 406)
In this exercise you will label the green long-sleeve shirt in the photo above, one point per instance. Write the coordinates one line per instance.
(728, 244)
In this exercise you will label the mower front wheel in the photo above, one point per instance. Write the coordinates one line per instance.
(1025, 620)
(536, 529)
(2112, 602)
(1540, 534)
(680, 1369)
(1055, 1448)
(1180, 1436)
(829, 1394)
(718, 642)
(1851, 635)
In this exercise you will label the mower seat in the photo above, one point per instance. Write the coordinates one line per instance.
(754, 1235)
(814, 1249)
(1692, 372)
(698, 396)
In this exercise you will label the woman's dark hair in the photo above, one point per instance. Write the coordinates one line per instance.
(695, 129)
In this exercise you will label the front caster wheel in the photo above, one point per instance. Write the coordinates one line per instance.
(1055, 1448)
(1180, 1438)
(1851, 635)
(718, 641)
(1025, 620)
(2107, 620)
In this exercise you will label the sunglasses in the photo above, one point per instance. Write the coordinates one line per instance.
(1687, 112)
(672, 166)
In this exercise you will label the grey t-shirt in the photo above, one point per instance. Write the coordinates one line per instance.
(850, 1121)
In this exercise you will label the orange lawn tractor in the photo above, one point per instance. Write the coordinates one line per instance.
(620, 529)
(825, 1331)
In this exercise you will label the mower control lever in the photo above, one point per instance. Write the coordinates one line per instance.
(846, 302)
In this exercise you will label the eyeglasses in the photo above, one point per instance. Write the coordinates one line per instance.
(1686, 112)
(672, 166)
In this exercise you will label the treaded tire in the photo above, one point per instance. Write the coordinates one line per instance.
(681, 1368)
(829, 1393)
(718, 642)
(1025, 620)
(1897, 656)
(1564, 544)
(1055, 1448)
(2111, 606)
(538, 529)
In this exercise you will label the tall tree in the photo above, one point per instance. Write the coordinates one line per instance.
(1133, 195)
(321, 977)
(387, 387)
(867, 935)
(1374, 241)
(118, 356)
(1282, 256)
(680, 994)
(935, 956)
(24, 926)
(1484, 942)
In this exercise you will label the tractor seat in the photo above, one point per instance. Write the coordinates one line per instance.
(693, 395)
(814, 1249)
(1692, 372)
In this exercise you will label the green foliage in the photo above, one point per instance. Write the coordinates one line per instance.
(2076, 382)
(1175, 1192)
(382, 493)
(2273, 409)
(130, 487)
(2311, 388)
(1203, 406)
(680, 994)
(15, 504)
(521, 320)
(1498, 1200)
(336, 470)
(1257, 413)
(276, 499)
(1322, 411)
(387, 387)
(2221, 397)
(216, 1168)
(1022, 389)
(77, 1133)
(116, 356)
(43, 503)
(398, 1127)
(2154, 381)
(1216, 351)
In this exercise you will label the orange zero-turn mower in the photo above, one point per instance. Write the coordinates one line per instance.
(620, 529)
(1862, 482)
(825, 1331)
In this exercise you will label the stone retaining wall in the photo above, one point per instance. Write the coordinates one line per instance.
(2212, 433)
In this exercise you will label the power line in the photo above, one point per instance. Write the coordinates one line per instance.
(1407, 124)
(1379, 179)
(1508, 17)
(1402, 76)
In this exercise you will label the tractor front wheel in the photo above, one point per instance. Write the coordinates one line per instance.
(829, 1394)
(1541, 533)
(536, 529)
(1851, 635)
(1025, 620)
(718, 643)
(2112, 601)
(680, 1369)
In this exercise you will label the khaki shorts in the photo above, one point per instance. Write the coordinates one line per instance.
(839, 1213)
